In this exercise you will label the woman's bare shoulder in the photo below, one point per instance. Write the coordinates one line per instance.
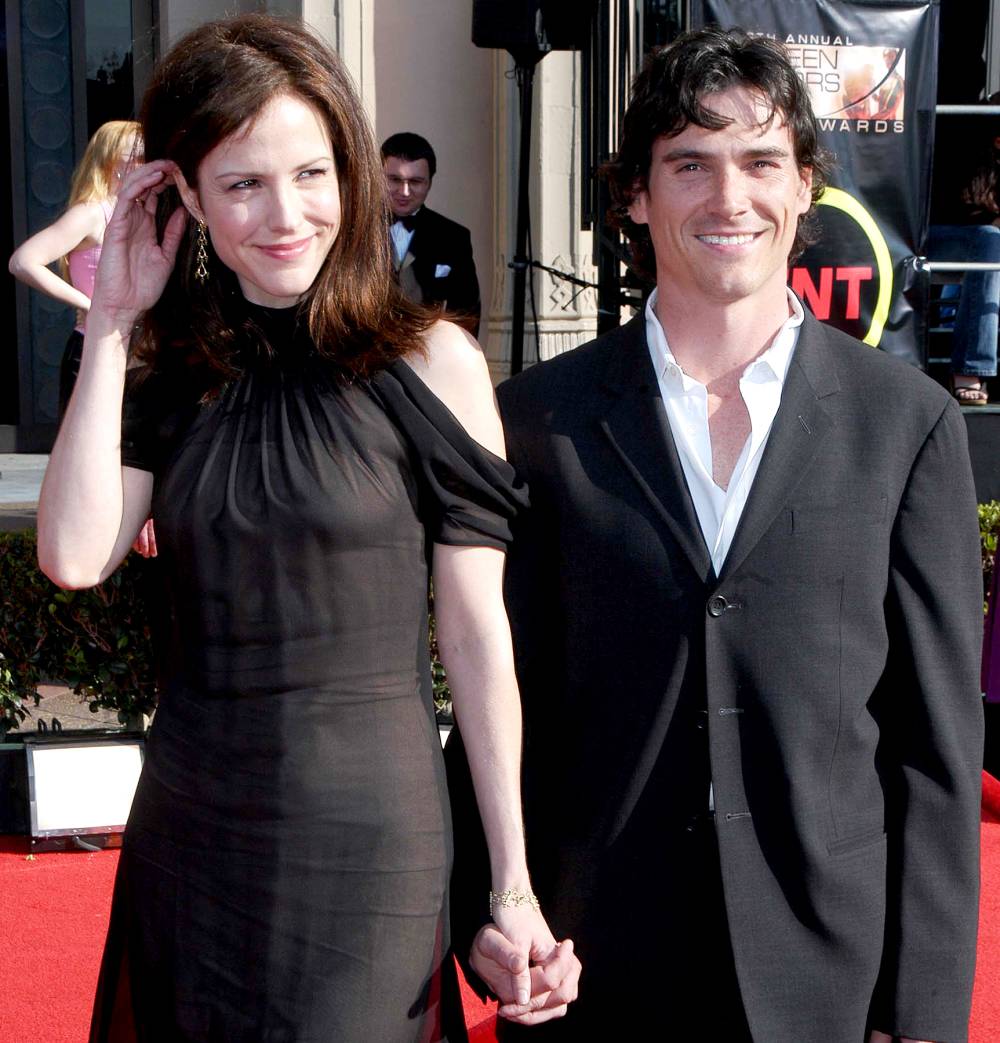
(454, 368)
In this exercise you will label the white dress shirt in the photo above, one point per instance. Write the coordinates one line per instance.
(686, 403)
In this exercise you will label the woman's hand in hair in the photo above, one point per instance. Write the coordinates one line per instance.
(135, 265)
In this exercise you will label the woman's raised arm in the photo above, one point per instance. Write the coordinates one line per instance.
(91, 508)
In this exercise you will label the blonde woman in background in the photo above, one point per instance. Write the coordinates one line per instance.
(75, 239)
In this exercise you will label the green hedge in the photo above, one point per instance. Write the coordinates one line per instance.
(989, 530)
(97, 641)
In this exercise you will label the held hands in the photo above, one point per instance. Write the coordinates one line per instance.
(534, 976)
(134, 266)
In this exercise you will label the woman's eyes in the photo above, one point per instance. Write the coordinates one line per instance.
(253, 182)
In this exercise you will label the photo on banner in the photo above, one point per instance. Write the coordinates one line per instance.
(871, 72)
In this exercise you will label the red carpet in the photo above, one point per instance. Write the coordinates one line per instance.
(985, 1024)
(54, 911)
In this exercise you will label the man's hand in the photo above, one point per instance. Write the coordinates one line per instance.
(552, 981)
(884, 1037)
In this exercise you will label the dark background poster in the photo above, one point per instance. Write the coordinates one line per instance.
(871, 70)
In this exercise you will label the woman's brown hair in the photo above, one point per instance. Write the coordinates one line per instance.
(211, 83)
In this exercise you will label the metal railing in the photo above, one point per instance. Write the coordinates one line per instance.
(924, 264)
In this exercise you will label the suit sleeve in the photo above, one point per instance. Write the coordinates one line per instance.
(930, 714)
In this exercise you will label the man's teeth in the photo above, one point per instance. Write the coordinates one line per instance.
(727, 240)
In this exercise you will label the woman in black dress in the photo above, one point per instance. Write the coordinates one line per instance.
(309, 445)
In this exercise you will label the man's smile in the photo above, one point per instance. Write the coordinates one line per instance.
(735, 239)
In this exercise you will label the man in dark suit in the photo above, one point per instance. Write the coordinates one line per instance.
(747, 610)
(432, 254)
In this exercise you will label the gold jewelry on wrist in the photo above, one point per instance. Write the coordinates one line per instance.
(512, 897)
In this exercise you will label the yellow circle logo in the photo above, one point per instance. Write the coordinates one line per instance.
(841, 200)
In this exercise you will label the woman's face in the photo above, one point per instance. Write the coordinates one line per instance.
(270, 198)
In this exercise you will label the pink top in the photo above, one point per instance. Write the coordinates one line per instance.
(83, 261)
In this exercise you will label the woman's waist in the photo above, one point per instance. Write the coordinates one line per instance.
(305, 750)
(343, 665)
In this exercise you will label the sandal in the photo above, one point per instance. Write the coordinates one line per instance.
(970, 394)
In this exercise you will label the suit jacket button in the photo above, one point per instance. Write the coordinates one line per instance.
(717, 604)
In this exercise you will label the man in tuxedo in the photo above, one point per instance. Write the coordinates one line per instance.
(747, 611)
(432, 254)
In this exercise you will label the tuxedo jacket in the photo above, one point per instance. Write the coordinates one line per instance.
(440, 262)
(827, 679)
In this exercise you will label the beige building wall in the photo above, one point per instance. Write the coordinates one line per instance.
(430, 79)
(178, 16)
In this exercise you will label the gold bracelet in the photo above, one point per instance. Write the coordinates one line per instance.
(510, 897)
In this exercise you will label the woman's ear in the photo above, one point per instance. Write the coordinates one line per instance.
(189, 196)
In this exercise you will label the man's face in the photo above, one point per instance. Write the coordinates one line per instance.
(723, 206)
(409, 182)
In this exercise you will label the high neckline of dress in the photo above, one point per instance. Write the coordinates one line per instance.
(285, 331)
(265, 315)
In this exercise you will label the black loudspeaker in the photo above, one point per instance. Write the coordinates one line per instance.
(531, 25)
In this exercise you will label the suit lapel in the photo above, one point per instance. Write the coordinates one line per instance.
(636, 425)
(799, 428)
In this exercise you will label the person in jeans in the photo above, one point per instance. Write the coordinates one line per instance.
(968, 208)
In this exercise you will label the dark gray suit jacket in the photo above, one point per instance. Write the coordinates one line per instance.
(837, 658)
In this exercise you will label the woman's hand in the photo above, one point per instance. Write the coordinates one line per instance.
(145, 542)
(134, 266)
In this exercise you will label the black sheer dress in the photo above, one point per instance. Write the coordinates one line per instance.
(284, 871)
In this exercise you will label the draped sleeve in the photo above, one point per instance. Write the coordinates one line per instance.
(156, 410)
(469, 495)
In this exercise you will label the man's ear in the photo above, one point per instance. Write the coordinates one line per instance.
(638, 208)
(805, 190)
(189, 196)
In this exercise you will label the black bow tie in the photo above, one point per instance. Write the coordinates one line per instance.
(408, 221)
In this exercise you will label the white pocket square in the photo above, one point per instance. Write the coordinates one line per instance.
(441, 270)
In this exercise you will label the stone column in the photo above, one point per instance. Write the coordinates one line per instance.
(349, 26)
(346, 25)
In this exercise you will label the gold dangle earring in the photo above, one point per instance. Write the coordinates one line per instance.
(201, 256)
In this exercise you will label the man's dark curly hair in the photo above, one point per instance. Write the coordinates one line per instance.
(668, 96)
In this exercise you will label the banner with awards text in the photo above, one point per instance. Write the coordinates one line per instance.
(871, 70)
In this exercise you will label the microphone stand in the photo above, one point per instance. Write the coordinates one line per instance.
(524, 72)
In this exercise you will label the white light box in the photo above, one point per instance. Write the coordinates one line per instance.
(82, 786)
